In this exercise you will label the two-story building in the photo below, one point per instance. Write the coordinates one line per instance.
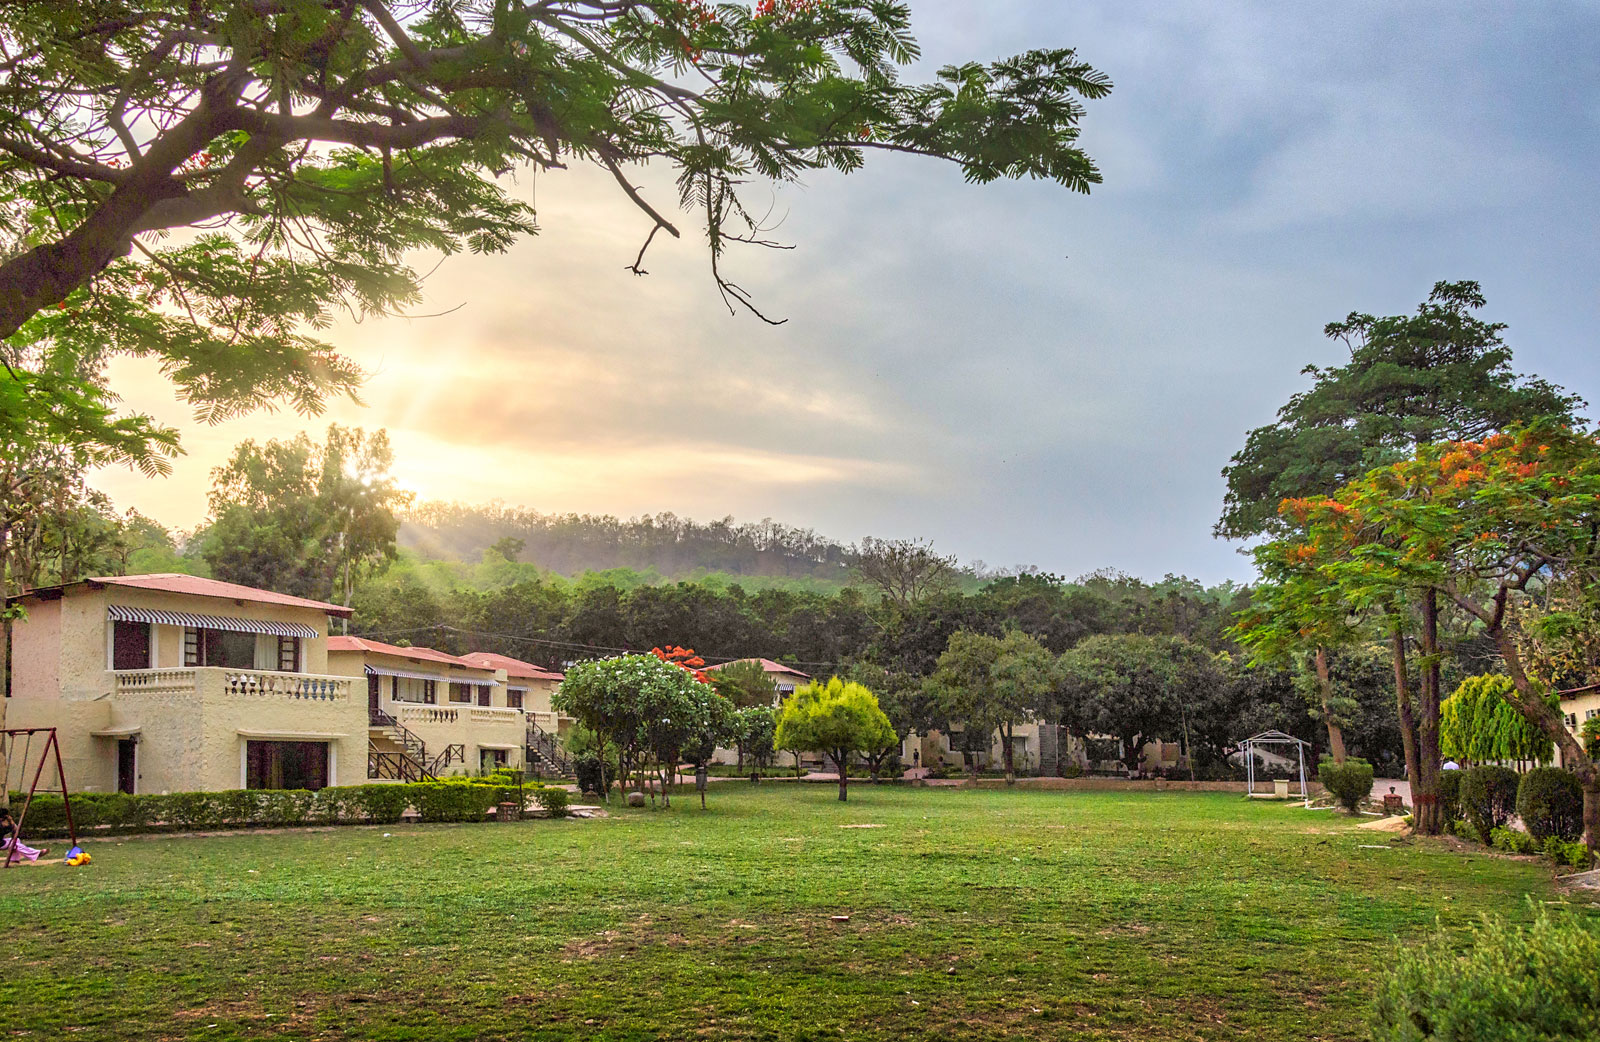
(171, 683)
(431, 711)
(530, 687)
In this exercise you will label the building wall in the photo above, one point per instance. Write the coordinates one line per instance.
(1576, 710)
(188, 721)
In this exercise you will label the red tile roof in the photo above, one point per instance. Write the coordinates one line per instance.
(768, 665)
(196, 586)
(378, 647)
(513, 667)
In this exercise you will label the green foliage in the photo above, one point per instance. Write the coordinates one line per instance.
(1477, 723)
(1568, 853)
(554, 800)
(754, 729)
(593, 774)
(1438, 375)
(745, 683)
(302, 518)
(1450, 796)
(1513, 841)
(1488, 798)
(1134, 688)
(985, 684)
(652, 712)
(1350, 782)
(838, 719)
(1535, 983)
(1550, 803)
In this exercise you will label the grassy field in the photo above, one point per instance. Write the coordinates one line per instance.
(972, 915)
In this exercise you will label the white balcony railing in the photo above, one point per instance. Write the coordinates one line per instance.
(423, 714)
(495, 715)
(215, 681)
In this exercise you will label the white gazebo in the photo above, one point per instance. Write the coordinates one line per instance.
(1248, 749)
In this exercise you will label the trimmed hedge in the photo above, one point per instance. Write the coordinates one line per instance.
(1550, 803)
(454, 800)
(1513, 982)
(1488, 796)
(1350, 782)
(1450, 797)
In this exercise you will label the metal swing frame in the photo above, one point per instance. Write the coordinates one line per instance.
(1274, 738)
(51, 745)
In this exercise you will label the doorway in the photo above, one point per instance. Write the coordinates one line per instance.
(127, 765)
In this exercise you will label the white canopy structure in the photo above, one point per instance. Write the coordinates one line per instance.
(1271, 739)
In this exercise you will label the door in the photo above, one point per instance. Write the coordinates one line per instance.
(372, 696)
(483, 696)
(127, 776)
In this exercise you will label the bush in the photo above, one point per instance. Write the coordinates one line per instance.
(1349, 782)
(1550, 803)
(1463, 830)
(1450, 797)
(1513, 982)
(1513, 842)
(1488, 796)
(453, 800)
(1567, 854)
(553, 800)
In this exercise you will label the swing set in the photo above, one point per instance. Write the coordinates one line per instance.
(51, 748)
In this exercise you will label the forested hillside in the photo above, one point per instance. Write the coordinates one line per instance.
(671, 546)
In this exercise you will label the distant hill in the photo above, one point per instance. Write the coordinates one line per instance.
(674, 547)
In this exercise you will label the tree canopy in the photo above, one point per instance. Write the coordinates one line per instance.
(838, 719)
(1477, 724)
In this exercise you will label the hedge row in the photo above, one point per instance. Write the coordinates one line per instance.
(455, 800)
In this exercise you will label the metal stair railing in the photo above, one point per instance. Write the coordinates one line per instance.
(413, 750)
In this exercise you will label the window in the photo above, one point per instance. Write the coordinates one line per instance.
(130, 645)
(288, 654)
(1590, 714)
(513, 699)
(286, 765)
(461, 693)
(430, 692)
(484, 696)
(1572, 721)
(203, 647)
(489, 759)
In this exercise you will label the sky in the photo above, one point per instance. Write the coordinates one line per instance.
(1021, 374)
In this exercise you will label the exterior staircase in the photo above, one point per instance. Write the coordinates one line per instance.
(409, 760)
(546, 756)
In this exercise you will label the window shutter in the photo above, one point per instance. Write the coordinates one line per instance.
(191, 646)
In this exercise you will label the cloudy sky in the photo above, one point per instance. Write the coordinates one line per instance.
(1021, 374)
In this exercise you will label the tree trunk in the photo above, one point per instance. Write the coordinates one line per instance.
(1425, 794)
(1408, 720)
(839, 760)
(1325, 686)
(1529, 701)
(1010, 755)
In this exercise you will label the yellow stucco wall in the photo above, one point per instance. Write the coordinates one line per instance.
(188, 720)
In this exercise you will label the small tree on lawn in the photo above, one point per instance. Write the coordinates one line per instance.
(754, 728)
(647, 708)
(837, 719)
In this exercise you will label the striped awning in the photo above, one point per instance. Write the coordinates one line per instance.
(123, 613)
(412, 674)
(517, 687)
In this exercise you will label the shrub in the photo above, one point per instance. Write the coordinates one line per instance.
(453, 800)
(1532, 982)
(1463, 830)
(1567, 854)
(553, 799)
(1349, 782)
(1450, 797)
(1513, 842)
(1488, 796)
(1550, 803)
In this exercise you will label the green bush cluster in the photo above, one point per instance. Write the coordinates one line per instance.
(1349, 782)
(1513, 982)
(1513, 841)
(1567, 853)
(1462, 829)
(453, 800)
(553, 800)
(1488, 797)
(591, 772)
(1550, 803)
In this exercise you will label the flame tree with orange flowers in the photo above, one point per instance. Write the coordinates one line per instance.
(1485, 525)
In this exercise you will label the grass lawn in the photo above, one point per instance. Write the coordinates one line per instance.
(972, 915)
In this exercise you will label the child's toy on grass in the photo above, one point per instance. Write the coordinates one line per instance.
(78, 856)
